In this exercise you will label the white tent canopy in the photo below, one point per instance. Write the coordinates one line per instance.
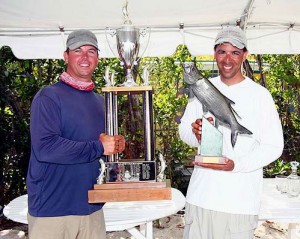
(37, 29)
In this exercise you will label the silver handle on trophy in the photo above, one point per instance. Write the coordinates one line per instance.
(143, 32)
(110, 32)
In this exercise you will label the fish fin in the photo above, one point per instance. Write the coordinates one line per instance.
(229, 101)
(235, 113)
(205, 110)
(243, 130)
(234, 135)
(217, 123)
(239, 130)
(188, 91)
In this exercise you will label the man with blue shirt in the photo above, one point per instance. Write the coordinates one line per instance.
(67, 127)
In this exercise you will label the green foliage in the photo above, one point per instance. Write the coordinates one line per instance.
(283, 81)
(21, 79)
(13, 121)
(169, 103)
(276, 168)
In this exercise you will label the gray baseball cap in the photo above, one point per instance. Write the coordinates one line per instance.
(80, 38)
(233, 35)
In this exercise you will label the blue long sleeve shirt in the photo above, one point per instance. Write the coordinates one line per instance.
(65, 124)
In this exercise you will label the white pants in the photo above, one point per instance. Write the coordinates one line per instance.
(207, 224)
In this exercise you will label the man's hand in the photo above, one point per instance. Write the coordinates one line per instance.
(197, 127)
(228, 166)
(112, 144)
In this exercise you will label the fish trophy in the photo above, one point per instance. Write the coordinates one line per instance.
(220, 106)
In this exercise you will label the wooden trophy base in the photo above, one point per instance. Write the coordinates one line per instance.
(129, 191)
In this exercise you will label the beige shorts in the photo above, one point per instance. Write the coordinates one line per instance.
(207, 224)
(67, 227)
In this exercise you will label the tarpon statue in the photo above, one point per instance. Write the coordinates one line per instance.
(212, 100)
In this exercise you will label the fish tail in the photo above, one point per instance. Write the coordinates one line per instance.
(239, 130)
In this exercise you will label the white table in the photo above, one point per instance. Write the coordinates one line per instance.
(119, 216)
(127, 215)
(279, 207)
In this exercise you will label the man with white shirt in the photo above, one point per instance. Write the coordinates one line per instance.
(223, 200)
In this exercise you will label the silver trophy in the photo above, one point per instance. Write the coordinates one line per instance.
(128, 45)
(128, 48)
(129, 176)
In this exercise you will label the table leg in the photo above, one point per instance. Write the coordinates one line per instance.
(143, 229)
(136, 233)
(147, 230)
(292, 231)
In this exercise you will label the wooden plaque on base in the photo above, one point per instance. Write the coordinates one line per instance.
(133, 191)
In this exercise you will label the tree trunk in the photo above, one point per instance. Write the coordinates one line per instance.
(262, 78)
(248, 69)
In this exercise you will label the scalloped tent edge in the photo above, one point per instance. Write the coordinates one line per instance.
(39, 31)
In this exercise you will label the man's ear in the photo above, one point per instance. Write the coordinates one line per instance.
(245, 55)
(66, 57)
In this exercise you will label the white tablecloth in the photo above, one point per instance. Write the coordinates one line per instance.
(278, 207)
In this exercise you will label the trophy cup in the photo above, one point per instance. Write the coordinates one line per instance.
(132, 179)
(128, 46)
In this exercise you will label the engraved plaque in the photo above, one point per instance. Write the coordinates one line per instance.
(134, 171)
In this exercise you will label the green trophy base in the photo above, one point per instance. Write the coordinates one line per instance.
(211, 144)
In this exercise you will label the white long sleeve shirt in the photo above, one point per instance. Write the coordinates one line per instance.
(237, 191)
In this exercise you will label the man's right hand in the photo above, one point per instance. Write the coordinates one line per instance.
(197, 127)
(112, 144)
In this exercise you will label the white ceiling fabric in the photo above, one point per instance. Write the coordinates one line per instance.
(37, 29)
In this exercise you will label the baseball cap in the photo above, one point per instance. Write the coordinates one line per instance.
(80, 38)
(233, 35)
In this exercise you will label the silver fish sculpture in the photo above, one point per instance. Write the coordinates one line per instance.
(212, 100)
